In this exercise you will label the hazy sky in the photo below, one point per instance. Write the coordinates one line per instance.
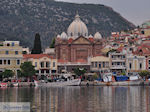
(136, 11)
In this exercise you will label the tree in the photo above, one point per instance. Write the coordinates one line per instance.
(7, 73)
(95, 76)
(37, 49)
(144, 73)
(79, 71)
(52, 43)
(19, 74)
(27, 69)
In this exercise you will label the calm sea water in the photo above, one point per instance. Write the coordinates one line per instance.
(81, 99)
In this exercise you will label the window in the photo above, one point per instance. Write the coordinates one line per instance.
(99, 65)
(18, 62)
(140, 65)
(92, 64)
(35, 64)
(8, 62)
(47, 71)
(0, 62)
(42, 64)
(53, 64)
(103, 64)
(95, 64)
(42, 71)
(118, 63)
(47, 64)
(37, 71)
(4, 62)
(16, 52)
(130, 65)
(6, 52)
(112, 63)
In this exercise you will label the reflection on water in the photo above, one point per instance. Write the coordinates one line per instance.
(81, 99)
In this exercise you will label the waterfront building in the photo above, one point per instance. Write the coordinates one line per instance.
(100, 64)
(117, 62)
(44, 64)
(148, 63)
(136, 63)
(76, 45)
(10, 56)
(65, 66)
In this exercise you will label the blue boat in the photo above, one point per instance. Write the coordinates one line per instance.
(121, 78)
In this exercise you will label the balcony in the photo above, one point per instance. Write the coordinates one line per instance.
(118, 67)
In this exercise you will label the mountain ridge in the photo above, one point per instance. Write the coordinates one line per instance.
(22, 19)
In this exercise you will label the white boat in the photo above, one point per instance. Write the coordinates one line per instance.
(73, 82)
(16, 84)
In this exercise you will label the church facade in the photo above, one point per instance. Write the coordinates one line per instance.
(76, 46)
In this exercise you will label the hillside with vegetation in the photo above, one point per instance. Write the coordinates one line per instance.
(22, 19)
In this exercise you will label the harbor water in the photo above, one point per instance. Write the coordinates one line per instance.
(81, 99)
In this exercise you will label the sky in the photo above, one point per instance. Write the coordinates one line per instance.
(135, 11)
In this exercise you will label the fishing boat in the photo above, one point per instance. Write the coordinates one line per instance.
(3, 84)
(73, 82)
(123, 81)
(120, 83)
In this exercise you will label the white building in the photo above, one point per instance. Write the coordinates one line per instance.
(117, 62)
(135, 63)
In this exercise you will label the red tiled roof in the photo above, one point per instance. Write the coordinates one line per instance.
(143, 49)
(36, 56)
(120, 49)
(81, 61)
(62, 61)
(115, 35)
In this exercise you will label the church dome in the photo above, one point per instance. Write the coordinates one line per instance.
(64, 36)
(97, 36)
(58, 36)
(77, 28)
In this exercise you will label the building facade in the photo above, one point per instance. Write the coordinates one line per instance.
(10, 56)
(136, 63)
(117, 62)
(77, 45)
(100, 64)
(44, 64)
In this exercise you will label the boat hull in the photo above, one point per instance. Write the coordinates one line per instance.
(121, 83)
(75, 82)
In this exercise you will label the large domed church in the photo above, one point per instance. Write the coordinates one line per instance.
(77, 46)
